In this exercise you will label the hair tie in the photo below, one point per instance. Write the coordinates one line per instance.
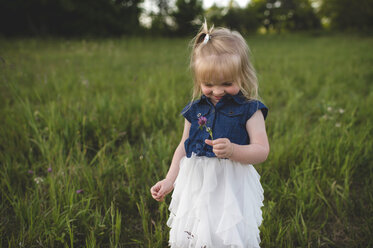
(206, 39)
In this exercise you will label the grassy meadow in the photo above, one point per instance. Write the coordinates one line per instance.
(88, 126)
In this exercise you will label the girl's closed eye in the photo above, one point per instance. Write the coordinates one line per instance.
(224, 84)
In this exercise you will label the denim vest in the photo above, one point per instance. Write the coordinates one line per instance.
(227, 120)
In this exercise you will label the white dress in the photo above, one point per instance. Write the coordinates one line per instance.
(215, 203)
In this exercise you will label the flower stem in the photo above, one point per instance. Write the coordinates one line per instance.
(210, 132)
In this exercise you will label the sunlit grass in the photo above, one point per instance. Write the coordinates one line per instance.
(105, 116)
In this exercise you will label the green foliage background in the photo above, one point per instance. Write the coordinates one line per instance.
(103, 18)
(104, 115)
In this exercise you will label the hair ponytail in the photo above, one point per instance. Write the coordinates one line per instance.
(200, 37)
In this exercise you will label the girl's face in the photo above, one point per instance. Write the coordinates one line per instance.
(216, 90)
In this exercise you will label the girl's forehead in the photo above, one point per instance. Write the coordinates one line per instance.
(217, 69)
(216, 77)
(219, 78)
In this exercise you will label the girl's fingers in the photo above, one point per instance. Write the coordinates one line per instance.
(220, 146)
(220, 153)
(220, 149)
(155, 189)
(157, 192)
(154, 193)
(220, 141)
(217, 152)
(158, 186)
(159, 198)
(209, 142)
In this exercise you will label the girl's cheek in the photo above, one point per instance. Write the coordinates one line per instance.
(206, 92)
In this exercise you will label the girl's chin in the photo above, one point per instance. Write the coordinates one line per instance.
(214, 99)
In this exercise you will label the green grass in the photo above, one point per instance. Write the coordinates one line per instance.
(105, 116)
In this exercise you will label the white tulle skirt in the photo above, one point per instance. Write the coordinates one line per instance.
(215, 203)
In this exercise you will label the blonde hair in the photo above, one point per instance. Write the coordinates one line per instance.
(224, 53)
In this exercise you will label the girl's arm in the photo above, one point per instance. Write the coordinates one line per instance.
(254, 153)
(165, 186)
(258, 149)
(179, 154)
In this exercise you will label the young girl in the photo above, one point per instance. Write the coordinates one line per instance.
(217, 194)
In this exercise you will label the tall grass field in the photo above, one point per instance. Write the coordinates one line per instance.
(88, 126)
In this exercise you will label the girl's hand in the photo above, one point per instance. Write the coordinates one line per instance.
(222, 147)
(161, 189)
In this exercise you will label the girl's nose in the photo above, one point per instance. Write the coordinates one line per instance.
(218, 92)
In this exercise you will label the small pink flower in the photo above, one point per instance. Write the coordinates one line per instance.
(79, 191)
(30, 172)
(50, 169)
(202, 121)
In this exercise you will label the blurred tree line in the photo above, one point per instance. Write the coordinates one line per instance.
(178, 17)
(69, 17)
